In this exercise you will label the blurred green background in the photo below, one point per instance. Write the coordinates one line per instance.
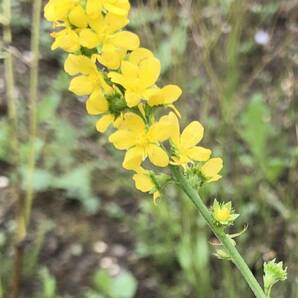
(92, 234)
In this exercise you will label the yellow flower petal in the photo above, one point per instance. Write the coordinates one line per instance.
(56, 10)
(123, 139)
(133, 158)
(78, 17)
(117, 78)
(143, 182)
(81, 86)
(132, 122)
(132, 99)
(89, 39)
(126, 40)
(171, 93)
(192, 134)
(75, 64)
(115, 23)
(117, 10)
(158, 156)
(166, 95)
(160, 131)
(149, 71)
(93, 8)
(198, 153)
(174, 128)
(140, 54)
(97, 103)
(212, 167)
(66, 39)
(111, 58)
(129, 69)
(103, 123)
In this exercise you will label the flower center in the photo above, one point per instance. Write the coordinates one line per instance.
(143, 140)
(222, 214)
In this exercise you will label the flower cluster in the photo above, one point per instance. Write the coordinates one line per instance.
(119, 78)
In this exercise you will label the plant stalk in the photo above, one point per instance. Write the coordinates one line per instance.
(35, 41)
(14, 145)
(222, 237)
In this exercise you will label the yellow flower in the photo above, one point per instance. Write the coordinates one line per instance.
(110, 105)
(138, 75)
(103, 32)
(117, 7)
(66, 39)
(57, 10)
(88, 79)
(184, 145)
(211, 169)
(223, 213)
(141, 141)
(144, 182)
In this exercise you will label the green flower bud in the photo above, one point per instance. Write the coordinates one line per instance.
(273, 273)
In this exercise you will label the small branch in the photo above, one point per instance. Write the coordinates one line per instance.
(222, 237)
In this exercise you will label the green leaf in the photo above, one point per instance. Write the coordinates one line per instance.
(102, 281)
(48, 284)
(184, 253)
(124, 286)
(256, 127)
(77, 184)
(275, 167)
(42, 179)
(202, 252)
(171, 49)
(47, 107)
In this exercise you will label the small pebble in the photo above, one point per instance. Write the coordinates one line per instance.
(119, 250)
(262, 37)
(106, 262)
(100, 247)
(76, 249)
(4, 182)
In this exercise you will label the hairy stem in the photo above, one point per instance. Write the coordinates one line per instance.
(222, 237)
(33, 102)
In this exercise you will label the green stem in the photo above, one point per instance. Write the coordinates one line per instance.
(33, 102)
(225, 240)
(14, 144)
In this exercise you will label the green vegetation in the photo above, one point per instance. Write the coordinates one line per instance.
(92, 235)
